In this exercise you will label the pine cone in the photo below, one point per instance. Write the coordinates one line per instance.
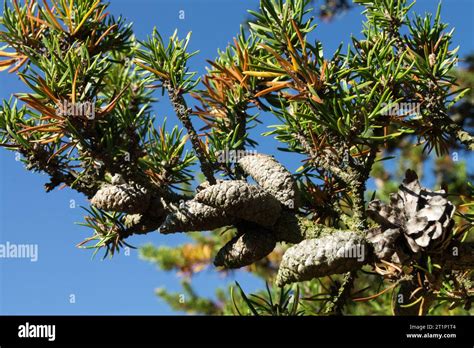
(242, 200)
(125, 198)
(139, 224)
(117, 179)
(423, 217)
(195, 216)
(386, 246)
(336, 253)
(245, 249)
(157, 207)
(273, 177)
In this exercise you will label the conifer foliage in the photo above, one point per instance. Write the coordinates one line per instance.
(315, 235)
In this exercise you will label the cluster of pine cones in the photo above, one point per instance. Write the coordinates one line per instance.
(415, 219)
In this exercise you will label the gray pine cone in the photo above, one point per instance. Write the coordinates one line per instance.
(423, 217)
(125, 198)
(195, 216)
(245, 249)
(242, 200)
(273, 177)
(336, 253)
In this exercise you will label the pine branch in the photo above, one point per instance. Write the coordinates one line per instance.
(322, 160)
(183, 112)
(338, 302)
(457, 132)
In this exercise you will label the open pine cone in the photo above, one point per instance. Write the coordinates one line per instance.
(423, 218)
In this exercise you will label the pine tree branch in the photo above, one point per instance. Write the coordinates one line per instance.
(354, 177)
(183, 112)
(359, 174)
(461, 135)
(293, 228)
(40, 160)
(321, 160)
(338, 302)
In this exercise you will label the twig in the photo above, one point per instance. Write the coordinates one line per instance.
(461, 135)
(182, 111)
(337, 304)
(320, 160)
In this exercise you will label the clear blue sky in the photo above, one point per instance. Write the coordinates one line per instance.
(125, 284)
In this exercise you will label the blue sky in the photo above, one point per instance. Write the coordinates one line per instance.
(125, 284)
